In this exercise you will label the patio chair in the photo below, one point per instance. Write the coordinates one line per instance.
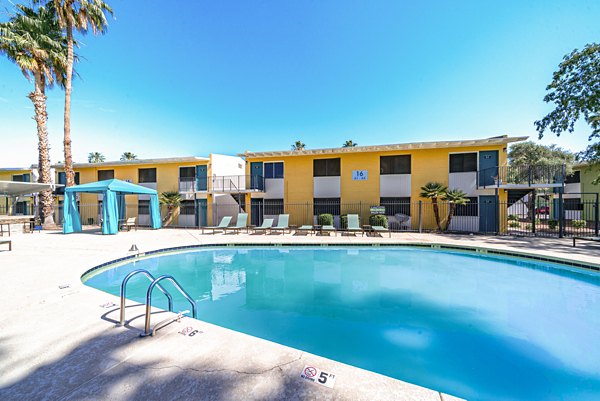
(328, 229)
(221, 227)
(266, 225)
(354, 225)
(592, 239)
(381, 229)
(282, 223)
(127, 224)
(305, 229)
(241, 224)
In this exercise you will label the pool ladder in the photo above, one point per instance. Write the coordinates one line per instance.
(155, 282)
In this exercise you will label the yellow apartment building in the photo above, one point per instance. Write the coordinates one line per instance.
(352, 180)
(197, 179)
(23, 205)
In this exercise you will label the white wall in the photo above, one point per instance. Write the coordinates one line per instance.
(274, 188)
(227, 165)
(464, 181)
(465, 223)
(394, 185)
(326, 187)
(573, 188)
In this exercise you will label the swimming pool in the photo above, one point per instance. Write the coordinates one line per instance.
(477, 326)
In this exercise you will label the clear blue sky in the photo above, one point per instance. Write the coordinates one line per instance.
(191, 77)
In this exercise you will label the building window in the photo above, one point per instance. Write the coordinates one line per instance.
(274, 170)
(574, 178)
(21, 178)
(143, 207)
(187, 208)
(326, 205)
(106, 175)
(187, 173)
(62, 178)
(273, 206)
(395, 205)
(471, 208)
(395, 164)
(21, 208)
(573, 204)
(326, 167)
(463, 162)
(147, 175)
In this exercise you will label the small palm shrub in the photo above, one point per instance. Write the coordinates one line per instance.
(378, 220)
(325, 219)
(552, 224)
(513, 217)
(514, 224)
(528, 227)
(578, 223)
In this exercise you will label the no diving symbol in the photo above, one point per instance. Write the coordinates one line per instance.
(310, 371)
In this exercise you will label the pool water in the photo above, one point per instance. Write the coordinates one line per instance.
(475, 326)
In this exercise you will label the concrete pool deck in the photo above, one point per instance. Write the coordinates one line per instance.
(62, 343)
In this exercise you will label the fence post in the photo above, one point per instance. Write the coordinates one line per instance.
(596, 220)
(532, 211)
(561, 214)
(420, 216)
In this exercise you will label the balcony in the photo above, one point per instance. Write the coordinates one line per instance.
(522, 177)
(222, 184)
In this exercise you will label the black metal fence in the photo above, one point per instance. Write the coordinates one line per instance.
(544, 217)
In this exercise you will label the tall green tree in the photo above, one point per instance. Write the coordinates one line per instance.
(128, 156)
(575, 93)
(32, 39)
(76, 15)
(349, 144)
(434, 191)
(454, 197)
(96, 157)
(298, 145)
(533, 154)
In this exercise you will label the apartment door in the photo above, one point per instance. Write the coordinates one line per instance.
(488, 214)
(201, 181)
(256, 176)
(488, 167)
(256, 211)
(201, 212)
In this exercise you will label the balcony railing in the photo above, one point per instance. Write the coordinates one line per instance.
(522, 176)
(227, 183)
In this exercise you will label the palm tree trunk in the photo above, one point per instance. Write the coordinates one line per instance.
(69, 173)
(436, 213)
(450, 215)
(38, 98)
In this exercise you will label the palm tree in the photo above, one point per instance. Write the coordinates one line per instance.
(298, 145)
(349, 144)
(79, 15)
(434, 191)
(96, 157)
(172, 200)
(454, 197)
(128, 156)
(32, 39)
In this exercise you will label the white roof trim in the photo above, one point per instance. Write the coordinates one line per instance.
(165, 160)
(499, 140)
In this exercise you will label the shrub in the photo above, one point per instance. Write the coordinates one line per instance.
(538, 221)
(528, 227)
(579, 223)
(325, 219)
(378, 220)
(344, 221)
(552, 224)
(513, 217)
(514, 224)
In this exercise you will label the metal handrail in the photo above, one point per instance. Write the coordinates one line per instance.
(155, 283)
(147, 274)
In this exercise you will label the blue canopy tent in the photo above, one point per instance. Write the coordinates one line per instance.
(113, 204)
